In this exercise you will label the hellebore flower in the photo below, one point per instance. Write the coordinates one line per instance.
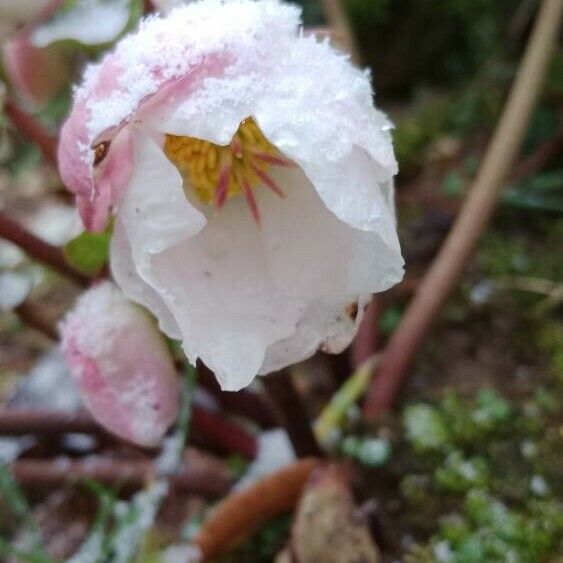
(252, 181)
(121, 365)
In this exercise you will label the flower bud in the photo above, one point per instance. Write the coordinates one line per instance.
(121, 365)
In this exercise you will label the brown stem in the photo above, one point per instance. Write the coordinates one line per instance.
(39, 249)
(30, 128)
(474, 216)
(47, 474)
(244, 512)
(216, 431)
(17, 422)
(292, 412)
(33, 315)
(244, 403)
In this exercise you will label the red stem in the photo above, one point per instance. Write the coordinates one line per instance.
(244, 403)
(223, 433)
(39, 249)
(30, 128)
(291, 410)
(215, 430)
(54, 473)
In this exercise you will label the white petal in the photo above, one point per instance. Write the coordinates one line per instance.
(233, 289)
(316, 108)
(327, 324)
(125, 275)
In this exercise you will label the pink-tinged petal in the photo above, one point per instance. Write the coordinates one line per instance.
(121, 365)
(98, 182)
(97, 186)
(73, 149)
(38, 74)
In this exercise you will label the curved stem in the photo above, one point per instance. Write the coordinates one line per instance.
(474, 216)
(39, 249)
(30, 128)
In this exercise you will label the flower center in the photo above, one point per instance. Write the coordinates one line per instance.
(217, 173)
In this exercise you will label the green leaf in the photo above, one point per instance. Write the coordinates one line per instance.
(88, 22)
(88, 252)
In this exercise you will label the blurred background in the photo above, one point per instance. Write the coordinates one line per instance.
(468, 465)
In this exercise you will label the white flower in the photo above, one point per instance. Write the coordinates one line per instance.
(252, 180)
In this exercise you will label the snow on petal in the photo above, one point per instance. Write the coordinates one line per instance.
(255, 213)
(121, 365)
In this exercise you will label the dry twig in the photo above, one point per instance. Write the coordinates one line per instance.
(474, 216)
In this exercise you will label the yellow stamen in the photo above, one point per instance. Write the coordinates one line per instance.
(217, 173)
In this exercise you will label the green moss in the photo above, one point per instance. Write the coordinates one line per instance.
(426, 428)
(459, 474)
(494, 473)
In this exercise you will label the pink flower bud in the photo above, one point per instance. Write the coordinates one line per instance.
(121, 365)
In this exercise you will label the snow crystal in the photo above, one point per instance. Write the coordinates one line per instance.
(11, 448)
(265, 62)
(184, 553)
(79, 443)
(108, 314)
(91, 551)
(48, 386)
(274, 452)
(14, 288)
(166, 48)
(539, 486)
(144, 506)
(443, 552)
(10, 254)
